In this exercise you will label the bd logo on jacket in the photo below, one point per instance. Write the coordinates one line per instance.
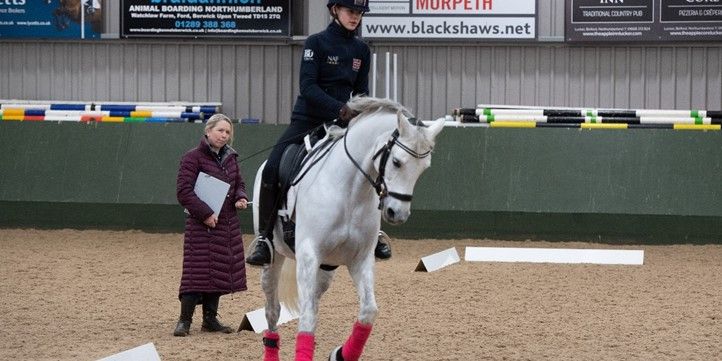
(356, 65)
(307, 54)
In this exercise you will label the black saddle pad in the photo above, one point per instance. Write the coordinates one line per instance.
(291, 164)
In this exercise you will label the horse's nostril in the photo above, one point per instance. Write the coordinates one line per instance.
(390, 213)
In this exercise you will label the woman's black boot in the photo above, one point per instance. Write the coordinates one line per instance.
(188, 305)
(210, 311)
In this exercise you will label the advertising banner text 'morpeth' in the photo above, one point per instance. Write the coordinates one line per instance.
(450, 19)
(205, 18)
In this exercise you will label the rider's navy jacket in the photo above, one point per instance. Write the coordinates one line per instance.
(334, 67)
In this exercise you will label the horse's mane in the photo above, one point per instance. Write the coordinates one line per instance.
(364, 104)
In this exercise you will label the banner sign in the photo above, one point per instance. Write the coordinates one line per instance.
(643, 20)
(450, 19)
(77, 19)
(205, 18)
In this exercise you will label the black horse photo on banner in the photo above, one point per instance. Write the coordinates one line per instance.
(67, 19)
(78, 11)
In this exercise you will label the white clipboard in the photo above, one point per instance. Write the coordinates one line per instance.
(212, 191)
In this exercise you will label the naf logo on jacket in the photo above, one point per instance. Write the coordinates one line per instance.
(332, 60)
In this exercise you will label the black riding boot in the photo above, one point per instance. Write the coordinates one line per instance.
(261, 254)
(210, 311)
(188, 305)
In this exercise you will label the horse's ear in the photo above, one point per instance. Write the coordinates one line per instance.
(436, 127)
(403, 123)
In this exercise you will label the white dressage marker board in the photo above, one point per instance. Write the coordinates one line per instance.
(438, 260)
(554, 255)
(256, 320)
(146, 352)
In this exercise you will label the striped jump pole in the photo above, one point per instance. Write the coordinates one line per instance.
(175, 112)
(615, 113)
(537, 117)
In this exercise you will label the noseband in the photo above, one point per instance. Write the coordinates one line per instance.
(384, 152)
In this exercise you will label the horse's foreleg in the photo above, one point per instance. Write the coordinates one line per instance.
(363, 278)
(269, 282)
(307, 269)
(362, 275)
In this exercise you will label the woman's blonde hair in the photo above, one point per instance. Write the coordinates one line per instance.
(214, 119)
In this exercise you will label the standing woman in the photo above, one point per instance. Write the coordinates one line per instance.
(213, 248)
(335, 66)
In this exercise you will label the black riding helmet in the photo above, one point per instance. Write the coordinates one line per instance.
(360, 5)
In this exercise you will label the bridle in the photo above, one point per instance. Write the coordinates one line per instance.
(384, 152)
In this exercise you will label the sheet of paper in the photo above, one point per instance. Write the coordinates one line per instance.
(212, 191)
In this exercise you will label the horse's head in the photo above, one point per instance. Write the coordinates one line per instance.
(400, 160)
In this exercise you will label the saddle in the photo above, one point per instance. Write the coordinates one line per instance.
(295, 158)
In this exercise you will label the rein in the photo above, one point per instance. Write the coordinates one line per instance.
(384, 152)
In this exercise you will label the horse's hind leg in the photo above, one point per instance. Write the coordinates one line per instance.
(363, 278)
(269, 282)
(324, 281)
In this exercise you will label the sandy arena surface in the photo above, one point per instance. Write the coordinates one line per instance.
(85, 295)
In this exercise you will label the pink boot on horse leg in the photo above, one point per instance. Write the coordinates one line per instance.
(354, 346)
(305, 343)
(271, 344)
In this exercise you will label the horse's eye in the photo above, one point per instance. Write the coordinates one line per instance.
(397, 163)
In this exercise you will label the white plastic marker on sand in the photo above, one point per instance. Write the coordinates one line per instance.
(145, 352)
(554, 255)
(438, 260)
(256, 320)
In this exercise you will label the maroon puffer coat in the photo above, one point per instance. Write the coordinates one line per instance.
(213, 259)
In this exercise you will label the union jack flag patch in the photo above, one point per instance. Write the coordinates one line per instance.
(356, 64)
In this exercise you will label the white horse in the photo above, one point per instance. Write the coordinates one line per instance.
(366, 175)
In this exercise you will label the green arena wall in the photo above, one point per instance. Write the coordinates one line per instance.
(610, 186)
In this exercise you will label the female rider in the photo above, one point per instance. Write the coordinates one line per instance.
(334, 67)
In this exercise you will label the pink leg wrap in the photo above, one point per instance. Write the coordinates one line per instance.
(270, 353)
(354, 346)
(305, 343)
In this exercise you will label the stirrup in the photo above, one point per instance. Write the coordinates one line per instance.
(382, 250)
(384, 238)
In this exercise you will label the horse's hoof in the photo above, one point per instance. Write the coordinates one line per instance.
(335, 355)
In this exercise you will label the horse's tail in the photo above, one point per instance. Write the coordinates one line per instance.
(288, 288)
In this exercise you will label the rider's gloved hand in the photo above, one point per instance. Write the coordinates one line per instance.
(344, 116)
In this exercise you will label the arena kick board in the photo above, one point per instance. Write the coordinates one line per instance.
(554, 255)
(256, 320)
